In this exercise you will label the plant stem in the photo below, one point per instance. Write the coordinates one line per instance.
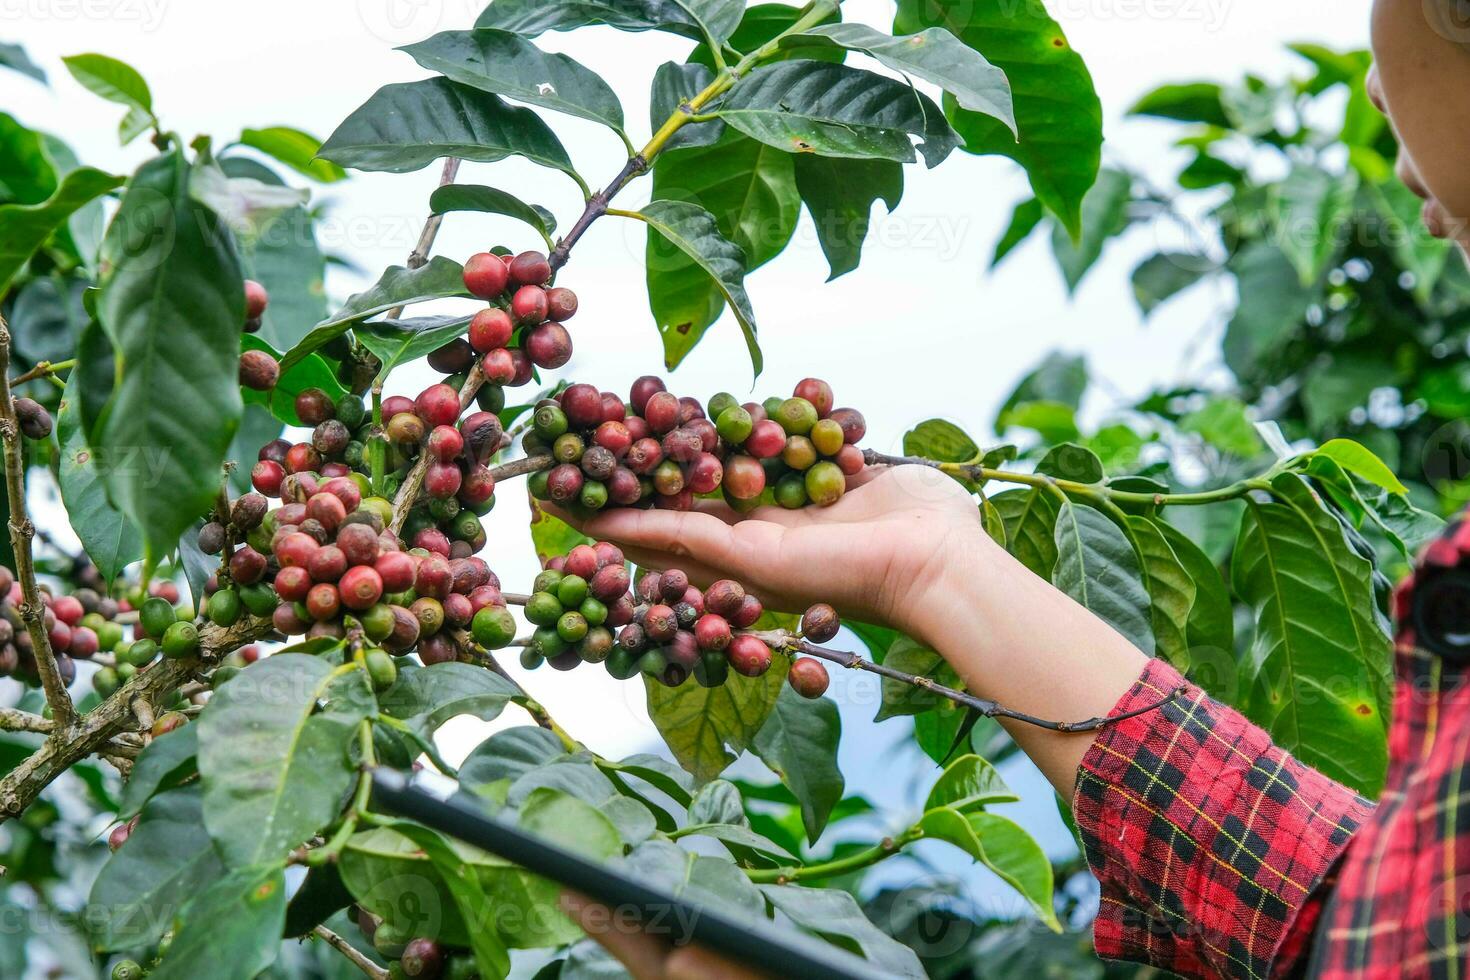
(784, 640)
(329, 851)
(1095, 491)
(63, 712)
(43, 369)
(884, 849)
(353, 955)
(12, 720)
(521, 467)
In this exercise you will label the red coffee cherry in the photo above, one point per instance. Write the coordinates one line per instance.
(323, 601)
(477, 487)
(561, 303)
(712, 632)
(724, 597)
(256, 300)
(489, 329)
(442, 480)
(748, 655)
(661, 412)
(397, 569)
(818, 392)
(582, 404)
(396, 405)
(498, 366)
(314, 406)
(745, 477)
(767, 440)
(750, 610)
(820, 623)
(302, 458)
(530, 268)
(644, 389)
(438, 405)
(485, 275)
(548, 346)
(808, 677)
(258, 370)
(528, 305)
(293, 582)
(361, 587)
(247, 566)
(453, 358)
(327, 564)
(705, 474)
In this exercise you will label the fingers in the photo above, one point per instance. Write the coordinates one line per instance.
(643, 955)
(693, 963)
(682, 534)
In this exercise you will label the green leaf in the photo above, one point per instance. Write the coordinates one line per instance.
(296, 149)
(1104, 217)
(1312, 207)
(1057, 110)
(934, 54)
(1360, 461)
(1004, 848)
(275, 765)
(704, 727)
(1211, 624)
(1222, 422)
(744, 842)
(1337, 384)
(398, 286)
(232, 929)
(1317, 673)
(1096, 565)
(718, 802)
(700, 879)
(167, 859)
(503, 63)
(690, 18)
(969, 783)
(580, 778)
(834, 915)
(680, 227)
(760, 25)
(164, 764)
(1059, 378)
(311, 371)
(1422, 256)
(571, 822)
(427, 697)
(941, 440)
(832, 110)
(1171, 590)
(396, 342)
(1030, 518)
(1161, 277)
(912, 657)
(30, 175)
(25, 228)
(14, 57)
(109, 538)
(510, 754)
(1272, 307)
(409, 125)
(172, 305)
(673, 85)
(799, 742)
(749, 189)
(656, 771)
(1024, 219)
(839, 193)
(491, 200)
(1194, 102)
(116, 82)
(1069, 461)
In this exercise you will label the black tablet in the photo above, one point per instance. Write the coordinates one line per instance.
(757, 943)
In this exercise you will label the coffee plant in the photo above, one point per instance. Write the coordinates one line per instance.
(217, 424)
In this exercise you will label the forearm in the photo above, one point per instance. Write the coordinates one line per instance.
(1015, 639)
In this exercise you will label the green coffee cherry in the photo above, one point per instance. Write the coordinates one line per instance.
(621, 664)
(259, 598)
(796, 416)
(377, 622)
(531, 657)
(224, 608)
(571, 627)
(127, 970)
(493, 628)
(825, 484)
(791, 491)
(543, 609)
(548, 641)
(222, 675)
(719, 403)
(549, 422)
(772, 406)
(109, 635)
(444, 508)
(156, 616)
(381, 669)
(734, 425)
(106, 681)
(180, 640)
(571, 591)
(547, 581)
(593, 610)
(594, 495)
(140, 653)
(536, 486)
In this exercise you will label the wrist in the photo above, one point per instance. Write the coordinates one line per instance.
(945, 594)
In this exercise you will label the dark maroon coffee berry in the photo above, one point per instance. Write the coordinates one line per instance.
(808, 677)
(259, 371)
(854, 426)
(455, 357)
(314, 406)
(330, 438)
(561, 303)
(530, 268)
(422, 959)
(661, 412)
(683, 445)
(598, 463)
(564, 482)
(724, 597)
(327, 564)
(485, 275)
(820, 623)
(582, 404)
(549, 346)
(35, 421)
(750, 610)
(643, 456)
(275, 451)
(524, 369)
(643, 389)
(212, 538)
(247, 566)
(623, 487)
(435, 579)
(672, 585)
(609, 583)
(482, 434)
(248, 511)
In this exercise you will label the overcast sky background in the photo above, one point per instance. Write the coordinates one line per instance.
(920, 330)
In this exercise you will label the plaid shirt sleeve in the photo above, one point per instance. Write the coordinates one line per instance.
(1213, 847)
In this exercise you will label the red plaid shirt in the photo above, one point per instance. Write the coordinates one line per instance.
(1220, 855)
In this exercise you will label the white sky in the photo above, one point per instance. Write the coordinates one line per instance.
(952, 344)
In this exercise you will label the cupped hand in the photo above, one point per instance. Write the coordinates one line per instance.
(876, 554)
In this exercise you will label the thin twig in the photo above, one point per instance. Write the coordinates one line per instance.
(12, 720)
(521, 467)
(42, 369)
(63, 712)
(357, 959)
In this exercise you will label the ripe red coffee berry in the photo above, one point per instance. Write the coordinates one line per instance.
(561, 303)
(748, 656)
(485, 275)
(314, 406)
(360, 587)
(582, 561)
(258, 370)
(477, 486)
(327, 509)
(613, 436)
(327, 564)
(528, 305)
(442, 480)
(808, 677)
(396, 405)
(247, 566)
(712, 632)
(705, 474)
(530, 268)
(610, 582)
(637, 427)
(295, 548)
(549, 346)
(750, 610)
(286, 622)
(323, 601)
(422, 959)
(302, 458)
(613, 409)
(683, 445)
(83, 643)
(661, 412)
(564, 482)
(660, 623)
(623, 487)
(68, 609)
(644, 455)
(438, 405)
(820, 623)
(849, 460)
(745, 477)
(397, 570)
(340, 487)
(524, 368)
(681, 500)
(445, 443)
(608, 554)
(643, 389)
(498, 366)
(818, 392)
(709, 436)
(293, 582)
(582, 404)
(767, 440)
(432, 539)
(490, 329)
(435, 579)
(724, 597)
(256, 300)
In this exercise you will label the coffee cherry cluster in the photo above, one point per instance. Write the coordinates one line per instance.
(523, 326)
(415, 957)
(77, 626)
(662, 450)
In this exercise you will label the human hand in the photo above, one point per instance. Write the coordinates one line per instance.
(645, 956)
(881, 554)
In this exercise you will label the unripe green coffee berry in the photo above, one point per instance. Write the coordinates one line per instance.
(593, 495)
(772, 406)
(593, 610)
(827, 436)
(493, 627)
(260, 599)
(799, 453)
(378, 622)
(543, 609)
(224, 608)
(791, 491)
(531, 657)
(621, 664)
(571, 591)
(548, 641)
(712, 670)
(350, 411)
(444, 508)
(549, 422)
(734, 425)
(127, 970)
(568, 448)
(571, 627)
(126, 672)
(180, 640)
(547, 581)
(156, 616)
(141, 652)
(106, 681)
(719, 402)
(109, 635)
(796, 416)
(381, 669)
(825, 484)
